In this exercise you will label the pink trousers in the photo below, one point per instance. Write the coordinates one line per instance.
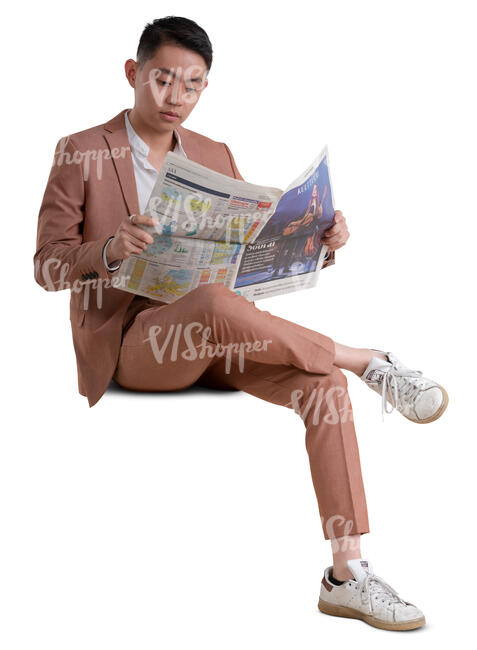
(213, 337)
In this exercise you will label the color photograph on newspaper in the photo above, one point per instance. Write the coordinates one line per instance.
(288, 253)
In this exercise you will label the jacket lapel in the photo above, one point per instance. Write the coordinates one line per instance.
(190, 144)
(117, 138)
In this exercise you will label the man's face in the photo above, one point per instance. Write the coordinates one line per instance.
(172, 81)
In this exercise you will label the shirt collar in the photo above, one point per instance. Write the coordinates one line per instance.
(141, 147)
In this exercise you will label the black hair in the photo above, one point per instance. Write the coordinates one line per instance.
(174, 29)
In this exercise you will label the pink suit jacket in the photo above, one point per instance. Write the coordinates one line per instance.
(90, 190)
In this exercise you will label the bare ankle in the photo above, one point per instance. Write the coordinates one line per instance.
(345, 548)
(363, 361)
(368, 354)
(380, 355)
(354, 359)
(342, 574)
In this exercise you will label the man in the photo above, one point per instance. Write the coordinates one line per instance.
(90, 220)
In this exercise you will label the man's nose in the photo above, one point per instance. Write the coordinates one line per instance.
(177, 92)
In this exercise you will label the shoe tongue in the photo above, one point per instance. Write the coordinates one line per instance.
(359, 568)
(399, 365)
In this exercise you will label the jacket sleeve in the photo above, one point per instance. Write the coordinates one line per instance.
(61, 258)
(235, 171)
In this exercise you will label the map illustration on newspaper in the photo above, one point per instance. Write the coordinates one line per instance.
(258, 241)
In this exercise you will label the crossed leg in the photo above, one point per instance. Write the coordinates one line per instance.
(214, 337)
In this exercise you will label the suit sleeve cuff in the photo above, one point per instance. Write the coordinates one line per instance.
(114, 266)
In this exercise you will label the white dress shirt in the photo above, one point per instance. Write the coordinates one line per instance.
(144, 173)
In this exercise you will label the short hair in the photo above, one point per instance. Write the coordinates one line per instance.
(174, 29)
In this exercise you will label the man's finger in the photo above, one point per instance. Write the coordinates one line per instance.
(333, 240)
(145, 220)
(138, 241)
(331, 231)
(134, 249)
(139, 233)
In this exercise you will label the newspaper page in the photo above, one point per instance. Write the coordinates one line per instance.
(256, 240)
(287, 254)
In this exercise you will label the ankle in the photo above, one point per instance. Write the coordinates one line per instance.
(367, 355)
(380, 355)
(362, 361)
(342, 574)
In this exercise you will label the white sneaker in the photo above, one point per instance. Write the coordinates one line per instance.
(369, 599)
(416, 397)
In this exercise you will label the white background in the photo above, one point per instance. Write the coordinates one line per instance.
(189, 520)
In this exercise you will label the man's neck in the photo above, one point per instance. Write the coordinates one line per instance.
(158, 143)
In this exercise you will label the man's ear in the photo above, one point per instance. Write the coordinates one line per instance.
(130, 68)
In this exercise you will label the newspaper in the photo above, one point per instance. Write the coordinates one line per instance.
(258, 241)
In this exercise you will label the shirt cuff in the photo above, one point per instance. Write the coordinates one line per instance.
(110, 267)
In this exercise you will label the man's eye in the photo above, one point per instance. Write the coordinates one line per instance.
(167, 83)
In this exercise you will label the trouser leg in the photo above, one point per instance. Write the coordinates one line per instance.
(295, 369)
(157, 352)
(323, 403)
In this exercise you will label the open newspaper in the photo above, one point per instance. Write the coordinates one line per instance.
(258, 241)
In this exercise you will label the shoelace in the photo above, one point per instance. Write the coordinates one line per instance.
(373, 585)
(393, 383)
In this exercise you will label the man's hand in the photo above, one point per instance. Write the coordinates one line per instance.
(336, 236)
(129, 238)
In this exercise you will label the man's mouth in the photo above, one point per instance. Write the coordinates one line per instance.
(170, 113)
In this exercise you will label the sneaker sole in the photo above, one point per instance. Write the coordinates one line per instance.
(349, 612)
(438, 413)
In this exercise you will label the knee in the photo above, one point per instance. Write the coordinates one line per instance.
(332, 386)
(316, 385)
(334, 383)
(336, 390)
(328, 402)
(210, 298)
(337, 378)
